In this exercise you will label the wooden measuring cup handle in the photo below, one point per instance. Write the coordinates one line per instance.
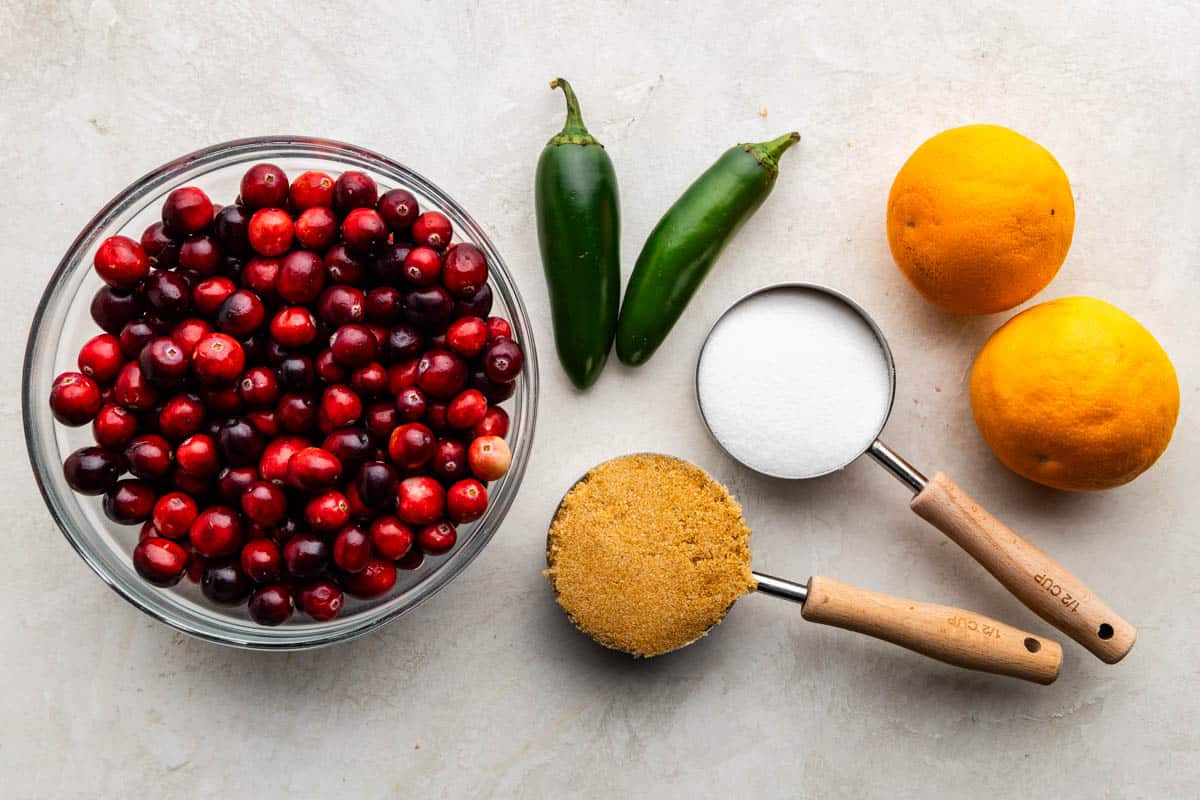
(1035, 578)
(958, 637)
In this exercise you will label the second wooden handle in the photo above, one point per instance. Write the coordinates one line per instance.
(1035, 578)
(958, 637)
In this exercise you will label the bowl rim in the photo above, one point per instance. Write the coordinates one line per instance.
(322, 148)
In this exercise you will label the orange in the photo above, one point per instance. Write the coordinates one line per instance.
(980, 218)
(1075, 394)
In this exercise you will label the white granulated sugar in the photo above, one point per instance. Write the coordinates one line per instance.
(794, 383)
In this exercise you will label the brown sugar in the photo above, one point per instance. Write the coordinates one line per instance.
(647, 552)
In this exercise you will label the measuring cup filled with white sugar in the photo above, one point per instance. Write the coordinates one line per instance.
(797, 381)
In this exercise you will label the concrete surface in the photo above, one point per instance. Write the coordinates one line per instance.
(486, 691)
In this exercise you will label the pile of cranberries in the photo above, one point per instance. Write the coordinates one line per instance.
(303, 388)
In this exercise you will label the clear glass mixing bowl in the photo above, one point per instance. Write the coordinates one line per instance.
(62, 324)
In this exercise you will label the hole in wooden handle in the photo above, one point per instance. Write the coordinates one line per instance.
(1032, 644)
(1106, 631)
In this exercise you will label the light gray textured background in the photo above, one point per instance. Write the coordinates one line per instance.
(486, 690)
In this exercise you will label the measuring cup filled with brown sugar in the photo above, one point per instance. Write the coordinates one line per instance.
(796, 381)
(647, 553)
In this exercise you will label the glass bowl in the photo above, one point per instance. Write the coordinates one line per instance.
(63, 323)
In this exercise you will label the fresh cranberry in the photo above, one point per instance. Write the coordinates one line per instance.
(379, 419)
(341, 305)
(100, 358)
(134, 336)
(466, 501)
(494, 423)
(404, 342)
(216, 531)
(465, 270)
(225, 583)
(494, 392)
(187, 333)
(200, 254)
(437, 539)
(264, 186)
(351, 446)
(441, 374)
(381, 305)
(313, 470)
(265, 503)
(91, 470)
(376, 483)
(112, 308)
(353, 190)
(210, 293)
(222, 401)
(130, 501)
(489, 457)
(429, 309)
(305, 555)
(310, 189)
(121, 262)
(168, 293)
(297, 372)
(327, 512)
(435, 417)
(186, 210)
(163, 362)
(422, 267)
(391, 538)
(231, 229)
(261, 276)
(477, 304)
(218, 359)
(449, 462)
(301, 277)
(403, 375)
(411, 446)
(174, 514)
(132, 390)
(148, 456)
(467, 409)
(369, 381)
(271, 231)
(259, 388)
(161, 249)
(273, 466)
(240, 443)
(342, 266)
(364, 230)
(241, 313)
(261, 560)
(410, 404)
(432, 229)
(180, 417)
(387, 267)
(412, 560)
(502, 361)
(351, 549)
(374, 580)
(420, 500)
(316, 228)
(160, 561)
(197, 455)
(75, 398)
(113, 426)
(498, 329)
(340, 406)
(398, 208)
(353, 346)
(233, 482)
(296, 413)
(294, 327)
(467, 336)
(270, 605)
(321, 600)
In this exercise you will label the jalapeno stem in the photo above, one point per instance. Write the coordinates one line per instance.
(574, 131)
(768, 153)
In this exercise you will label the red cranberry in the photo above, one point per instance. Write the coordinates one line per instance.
(350, 446)
(233, 482)
(339, 406)
(259, 388)
(432, 229)
(301, 277)
(241, 313)
(91, 470)
(374, 580)
(441, 374)
(437, 539)
(240, 443)
(297, 372)
(403, 375)
(210, 293)
(377, 483)
(341, 305)
(75, 398)
(296, 413)
(160, 561)
(134, 336)
(261, 276)
(113, 426)
(270, 605)
(364, 230)
(321, 600)
(225, 583)
(494, 423)
(498, 329)
(148, 456)
(436, 417)
(186, 210)
(174, 514)
(310, 189)
(503, 361)
(404, 342)
(369, 381)
(216, 531)
(351, 549)
(273, 466)
(200, 254)
(132, 390)
(489, 457)
(294, 327)
(112, 308)
(353, 190)
(163, 362)
(271, 231)
(222, 401)
(261, 560)
(168, 293)
(197, 455)
(465, 269)
(162, 250)
(466, 501)
(316, 228)
(313, 470)
(231, 229)
(342, 266)
(353, 346)
(422, 267)
(494, 392)
(413, 560)
(476, 304)
(264, 186)
(325, 513)
(429, 309)
(130, 502)
(391, 538)
(305, 555)
(411, 404)
(411, 446)
(100, 358)
(398, 208)
(467, 409)
(180, 417)
(264, 503)
(187, 334)
(380, 418)
(121, 262)
(387, 267)
(467, 336)
(218, 359)
(449, 460)
(420, 501)
(384, 305)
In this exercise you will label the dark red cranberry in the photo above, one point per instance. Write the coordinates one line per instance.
(379, 418)
(313, 470)
(494, 392)
(197, 455)
(369, 381)
(327, 512)
(449, 461)
(305, 555)
(130, 501)
(186, 210)
(502, 361)
(301, 277)
(112, 309)
(259, 388)
(261, 560)
(411, 404)
(358, 509)
(391, 538)
(374, 580)
(261, 276)
(437, 539)
(322, 600)
(264, 186)
(163, 362)
(91, 470)
(121, 262)
(328, 369)
(225, 583)
(240, 444)
(297, 372)
(264, 422)
(160, 561)
(101, 358)
(270, 605)
(351, 549)
(494, 423)
(233, 482)
(294, 327)
(351, 446)
(222, 401)
(75, 398)
(187, 333)
(477, 304)
(435, 416)
(432, 229)
(241, 313)
(498, 328)
(429, 309)
(466, 501)
(465, 270)
(231, 229)
(265, 503)
(342, 266)
(132, 390)
(402, 375)
(341, 305)
(218, 359)
(316, 228)
(148, 456)
(353, 346)
(353, 190)
(413, 560)
(113, 426)
(174, 514)
(467, 409)
(200, 254)
(422, 267)
(384, 305)
(364, 230)
(340, 406)
(136, 335)
(441, 374)
(310, 189)
(210, 293)
(467, 336)
(168, 293)
(376, 483)
(388, 266)
(296, 413)
(216, 531)
(403, 342)
(271, 231)
(161, 249)
(399, 209)
(273, 466)
(411, 446)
